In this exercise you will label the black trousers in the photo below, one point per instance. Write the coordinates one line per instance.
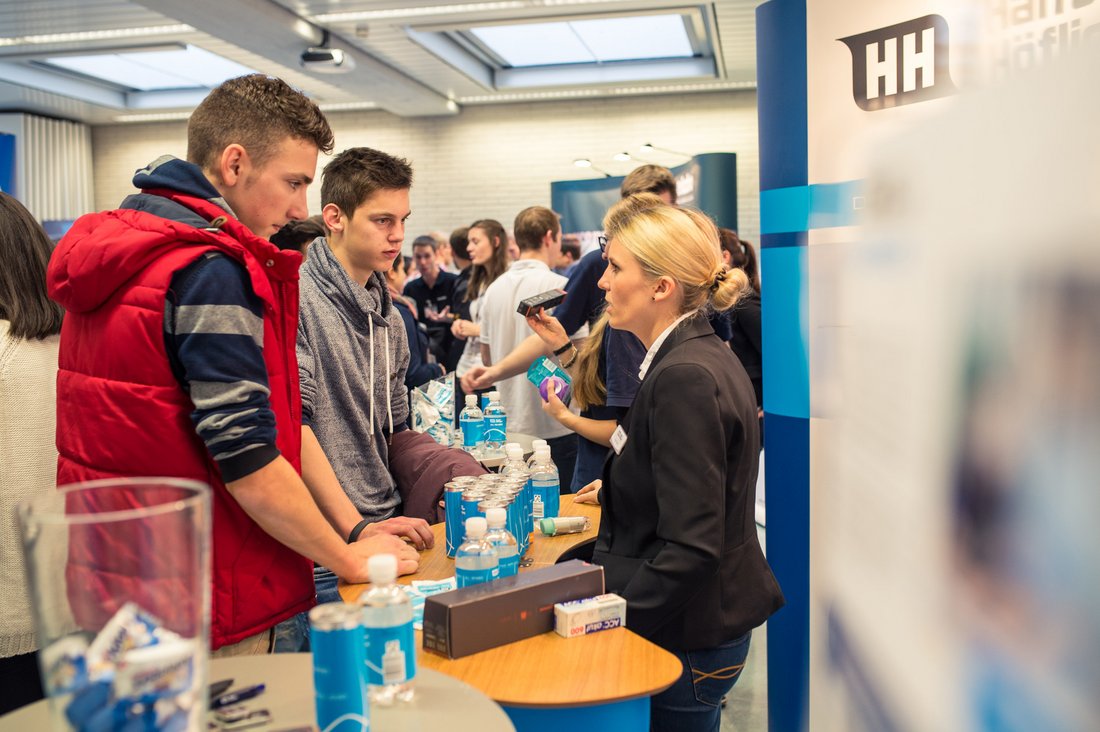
(20, 682)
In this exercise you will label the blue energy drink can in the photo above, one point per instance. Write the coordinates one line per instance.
(470, 499)
(452, 508)
(339, 667)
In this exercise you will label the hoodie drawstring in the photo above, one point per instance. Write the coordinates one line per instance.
(389, 396)
(389, 370)
(370, 328)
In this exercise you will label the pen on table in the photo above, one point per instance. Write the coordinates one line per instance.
(235, 697)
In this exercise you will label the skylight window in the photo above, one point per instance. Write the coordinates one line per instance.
(588, 41)
(183, 68)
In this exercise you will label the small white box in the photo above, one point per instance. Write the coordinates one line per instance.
(579, 617)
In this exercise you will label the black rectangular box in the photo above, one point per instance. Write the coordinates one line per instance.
(488, 615)
(547, 300)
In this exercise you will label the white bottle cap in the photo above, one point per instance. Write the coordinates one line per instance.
(536, 444)
(495, 518)
(513, 451)
(542, 451)
(382, 568)
(494, 396)
(471, 400)
(475, 527)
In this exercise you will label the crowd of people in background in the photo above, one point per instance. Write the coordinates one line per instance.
(276, 351)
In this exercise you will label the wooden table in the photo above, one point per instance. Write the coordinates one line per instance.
(598, 681)
(544, 550)
(441, 702)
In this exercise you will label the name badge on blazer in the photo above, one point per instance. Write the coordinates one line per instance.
(618, 440)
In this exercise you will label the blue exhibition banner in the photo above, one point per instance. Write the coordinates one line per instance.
(7, 163)
(707, 182)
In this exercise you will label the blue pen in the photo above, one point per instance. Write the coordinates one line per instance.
(235, 697)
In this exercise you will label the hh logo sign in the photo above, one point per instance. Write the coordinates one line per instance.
(900, 64)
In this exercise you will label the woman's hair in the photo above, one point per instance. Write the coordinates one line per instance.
(678, 243)
(588, 388)
(25, 251)
(483, 275)
(742, 256)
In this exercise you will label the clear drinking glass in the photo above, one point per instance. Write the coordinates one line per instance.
(119, 578)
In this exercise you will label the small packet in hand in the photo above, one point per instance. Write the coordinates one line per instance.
(546, 375)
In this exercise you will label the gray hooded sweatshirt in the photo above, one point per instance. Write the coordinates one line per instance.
(352, 356)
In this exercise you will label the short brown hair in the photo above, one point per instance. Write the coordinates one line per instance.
(460, 242)
(257, 112)
(358, 173)
(298, 235)
(25, 250)
(531, 225)
(649, 179)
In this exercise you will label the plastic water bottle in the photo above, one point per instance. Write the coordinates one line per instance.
(496, 424)
(546, 485)
(513, 462)
(476, 560)
(535, 445)
(388, 631)
(515, 465)
(506, 545)
(472, 422)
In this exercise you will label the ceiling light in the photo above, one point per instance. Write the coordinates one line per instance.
(621, 157)
(100, 35)
(153, 117)
(648, 148)
(586, 163)
(385, 13)
(530, 96)
(346, 106)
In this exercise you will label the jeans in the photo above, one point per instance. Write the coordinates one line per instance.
(324, 580)
(694, 702)
(292, 635)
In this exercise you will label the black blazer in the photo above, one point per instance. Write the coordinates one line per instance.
(677, 537)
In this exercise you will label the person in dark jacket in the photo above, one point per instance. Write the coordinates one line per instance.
(744, 317)
(677, 536)
(422, 368)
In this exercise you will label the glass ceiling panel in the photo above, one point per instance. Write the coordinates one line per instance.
(184, 68)
(588, 41)
(535, 44)
(632, 39)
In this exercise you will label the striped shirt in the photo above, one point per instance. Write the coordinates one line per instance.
(213, 332)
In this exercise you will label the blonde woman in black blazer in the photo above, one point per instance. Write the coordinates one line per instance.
(678, 537)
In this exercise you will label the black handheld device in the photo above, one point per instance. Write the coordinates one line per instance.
(545, 300)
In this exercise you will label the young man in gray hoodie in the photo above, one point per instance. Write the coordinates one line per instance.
(352, 352)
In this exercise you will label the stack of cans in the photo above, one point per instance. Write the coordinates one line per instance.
(468, 496)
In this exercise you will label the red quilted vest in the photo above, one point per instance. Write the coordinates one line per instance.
(122, 413)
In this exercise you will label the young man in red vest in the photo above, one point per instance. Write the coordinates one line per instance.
(177, 358)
